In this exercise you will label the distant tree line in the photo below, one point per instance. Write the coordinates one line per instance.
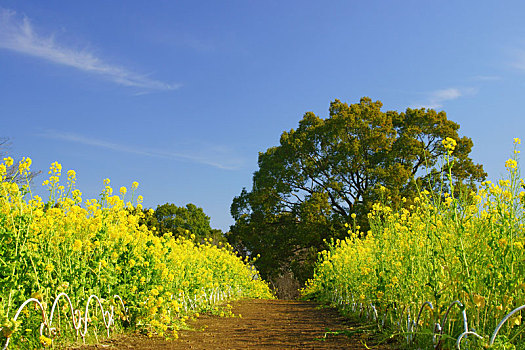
(182, 222)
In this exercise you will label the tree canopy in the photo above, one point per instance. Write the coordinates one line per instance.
(183, 221)
(180, 221)
(327, 169)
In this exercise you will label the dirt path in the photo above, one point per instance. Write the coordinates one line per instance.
(265, 324)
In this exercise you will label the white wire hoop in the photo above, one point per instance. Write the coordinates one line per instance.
(79, 320)
(412, 325)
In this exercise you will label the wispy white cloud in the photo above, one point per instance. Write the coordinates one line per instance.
(18, 34)
(437, 98)
(216, 156)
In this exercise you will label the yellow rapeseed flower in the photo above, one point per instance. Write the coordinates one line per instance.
(515, 320)
(24, 165)
(8, 161)
(45, 341)
(77, 245)
(55, 168)
(449, 144)
(511, 164)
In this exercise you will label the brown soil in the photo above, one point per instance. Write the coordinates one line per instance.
(265, 324)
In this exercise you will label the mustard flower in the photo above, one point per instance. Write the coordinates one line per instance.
(8, 161)
(24, 165)
(55, 168)
(77, 245)
(511, 164)
(449, 144)
(45, 341)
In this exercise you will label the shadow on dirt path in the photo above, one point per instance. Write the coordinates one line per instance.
(265, 324)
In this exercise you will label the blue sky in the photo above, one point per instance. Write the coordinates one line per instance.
(182, 95)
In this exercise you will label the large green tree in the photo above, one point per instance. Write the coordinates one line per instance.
(181, 221)
(327, 169)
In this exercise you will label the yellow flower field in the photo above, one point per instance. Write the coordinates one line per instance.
(98, 246)
(439, 248)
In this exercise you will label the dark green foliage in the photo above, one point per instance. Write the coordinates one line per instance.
(306, 188)
(182, 222)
